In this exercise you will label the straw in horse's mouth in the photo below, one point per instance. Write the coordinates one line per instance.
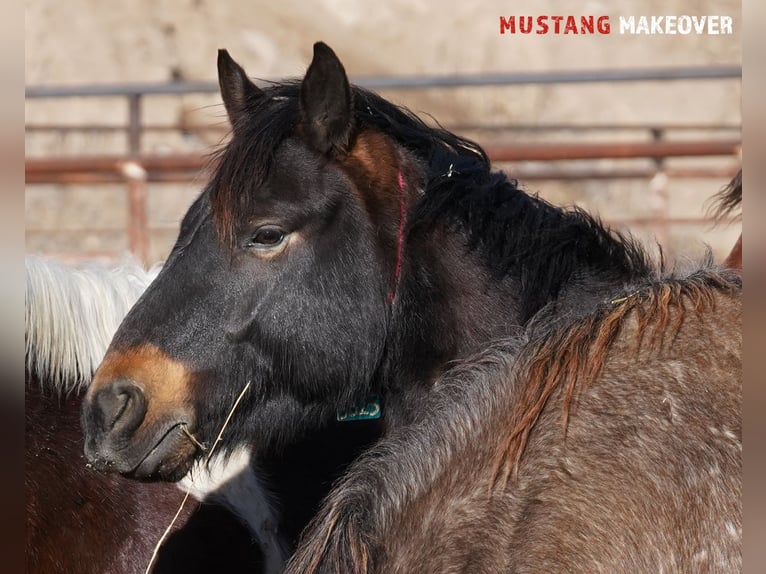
(185, 430)
(207, 459)
(157, 444)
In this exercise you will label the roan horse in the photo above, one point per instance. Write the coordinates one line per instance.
(79, 520)
(344, 254)
(597, 444)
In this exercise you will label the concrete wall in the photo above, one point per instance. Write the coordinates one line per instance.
(90, 41)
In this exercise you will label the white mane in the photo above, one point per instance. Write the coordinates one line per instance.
(72, 314)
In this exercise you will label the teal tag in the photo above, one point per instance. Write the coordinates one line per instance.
(370, 411)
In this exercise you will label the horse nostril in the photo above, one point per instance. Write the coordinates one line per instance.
(123, 405)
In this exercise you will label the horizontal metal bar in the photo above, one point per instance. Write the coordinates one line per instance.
(612, 150)
(115, 164)
(560, 77)
(521, 173)
(412, 82)
(498, 127)
(453, 127)
(106, 177)
(120, 90)
(506, 153)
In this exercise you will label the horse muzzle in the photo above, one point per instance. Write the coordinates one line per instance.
(110, 416)
(117, 441)
(132, 419)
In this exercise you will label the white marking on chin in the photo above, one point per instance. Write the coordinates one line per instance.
(232, 481)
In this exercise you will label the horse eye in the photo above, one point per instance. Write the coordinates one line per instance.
(267, 236)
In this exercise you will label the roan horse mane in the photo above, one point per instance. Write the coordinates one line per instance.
(71, 315)
(493, 419)
(572, 357)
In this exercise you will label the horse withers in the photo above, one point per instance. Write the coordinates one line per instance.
(343, 255)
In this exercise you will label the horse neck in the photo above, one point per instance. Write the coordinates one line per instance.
(439, 317)
(453, 302)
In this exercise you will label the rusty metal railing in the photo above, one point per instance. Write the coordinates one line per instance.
(136, 170)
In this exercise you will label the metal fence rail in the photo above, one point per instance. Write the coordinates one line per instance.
(136, 169)
(135, 172)
(412, 82)
(136, 92)
(38, 168)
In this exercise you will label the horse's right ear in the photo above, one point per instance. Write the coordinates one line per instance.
(236, 88)
(326, 106)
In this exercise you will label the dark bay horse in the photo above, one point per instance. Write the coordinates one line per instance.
(79, 520)
(597, 444)
(343, 255)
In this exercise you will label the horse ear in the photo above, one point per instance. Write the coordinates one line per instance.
(236, 88)
(326, 107)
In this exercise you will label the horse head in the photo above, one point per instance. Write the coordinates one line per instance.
(282, 276)
(342, 249)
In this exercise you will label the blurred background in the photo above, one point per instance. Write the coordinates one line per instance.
(122, 108)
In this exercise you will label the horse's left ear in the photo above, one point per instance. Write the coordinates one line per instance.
(326, 106)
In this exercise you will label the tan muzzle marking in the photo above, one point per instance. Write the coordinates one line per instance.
(163, 380)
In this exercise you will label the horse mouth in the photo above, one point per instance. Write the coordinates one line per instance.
(169, 459)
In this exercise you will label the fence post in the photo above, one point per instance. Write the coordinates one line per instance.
(138, 230)
(134, 124)
(660, 197)
(135, 176)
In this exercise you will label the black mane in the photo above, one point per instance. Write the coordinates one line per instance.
(524, 235)
(518, 233)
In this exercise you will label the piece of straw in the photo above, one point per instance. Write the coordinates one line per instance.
(207, 459)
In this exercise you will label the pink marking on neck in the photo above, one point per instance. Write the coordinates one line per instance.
(400, 237)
